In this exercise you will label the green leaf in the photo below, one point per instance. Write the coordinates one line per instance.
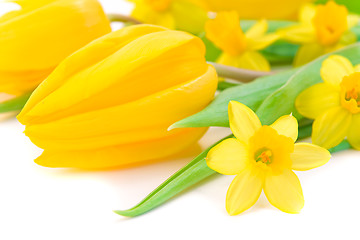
(271, 96)
(282, 101)
(15, 104)
(352, 5)
(225, 85)
(194, 172)
(251, 94)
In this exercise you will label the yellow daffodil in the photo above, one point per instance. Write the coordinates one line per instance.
(263, 158)
(36, 38)
(239, 49)
(110, 103)
(334, 104)
(322, 29)
(186, 15)
(258, 9)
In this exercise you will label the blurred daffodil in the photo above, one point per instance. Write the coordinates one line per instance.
(110, 103)
(322, 29)
(186, 15)
(258, 9)
(263, 158)
(239, 49)
(38, 36)
(334, 104)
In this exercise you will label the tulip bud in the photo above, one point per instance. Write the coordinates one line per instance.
(36, 38)
(110, 103)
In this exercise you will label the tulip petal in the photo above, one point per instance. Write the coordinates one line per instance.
(155, 55)
(243, 121)
(307, 156)
(284, 191)
(307, 53)
(83, 58)
(257, 30)
(287, 126)
(354, 132)
(334, 69)
(316, 100)
(244, 190)
(228, 157)
(331, 127)
(126, 123)
(122, 155)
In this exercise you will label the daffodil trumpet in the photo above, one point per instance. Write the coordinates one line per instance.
(191, 174)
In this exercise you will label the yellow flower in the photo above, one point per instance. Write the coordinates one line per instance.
(263, 158)
(322, 29)
(239, 49)
(110, 103)
(334, 104)
(258, 9)
(36, 38)
(186, 15)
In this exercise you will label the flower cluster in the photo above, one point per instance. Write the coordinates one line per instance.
(95, 98)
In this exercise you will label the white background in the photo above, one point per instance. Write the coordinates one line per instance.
(42, 203)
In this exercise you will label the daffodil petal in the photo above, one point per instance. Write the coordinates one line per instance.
(307, 53)
(347, 38)
(354, 132)
(334, 69)
(287, 126)
(317, 99)
(258, 29)
(357, 68)
(262, 42)
(253, 60)
(284, 191)
(331, 127)
(352, 20)
(303, 33)
(244, 191)
(228, 157)
(307, 156)
(307, 13)
(243, 121)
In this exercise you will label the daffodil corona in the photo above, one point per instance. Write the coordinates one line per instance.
(322, 29)
(263, 158)
(36, 38)
(239, 49)
(334, 104)
(186, 15)
(110, 103)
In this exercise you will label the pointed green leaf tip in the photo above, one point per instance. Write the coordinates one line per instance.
(192, 173)
(15, 104)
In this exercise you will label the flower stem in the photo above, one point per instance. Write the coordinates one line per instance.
(115, 17)
(239, 74)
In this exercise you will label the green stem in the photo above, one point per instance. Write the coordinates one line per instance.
(15, 104)
(115, 17)
(196, 171)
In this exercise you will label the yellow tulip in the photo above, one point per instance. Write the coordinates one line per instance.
(36, 38)
(186, 15)
(110, 103)
(322, 29)
(263, 158)
(240, 49)
(334, 104)
(258, 9)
